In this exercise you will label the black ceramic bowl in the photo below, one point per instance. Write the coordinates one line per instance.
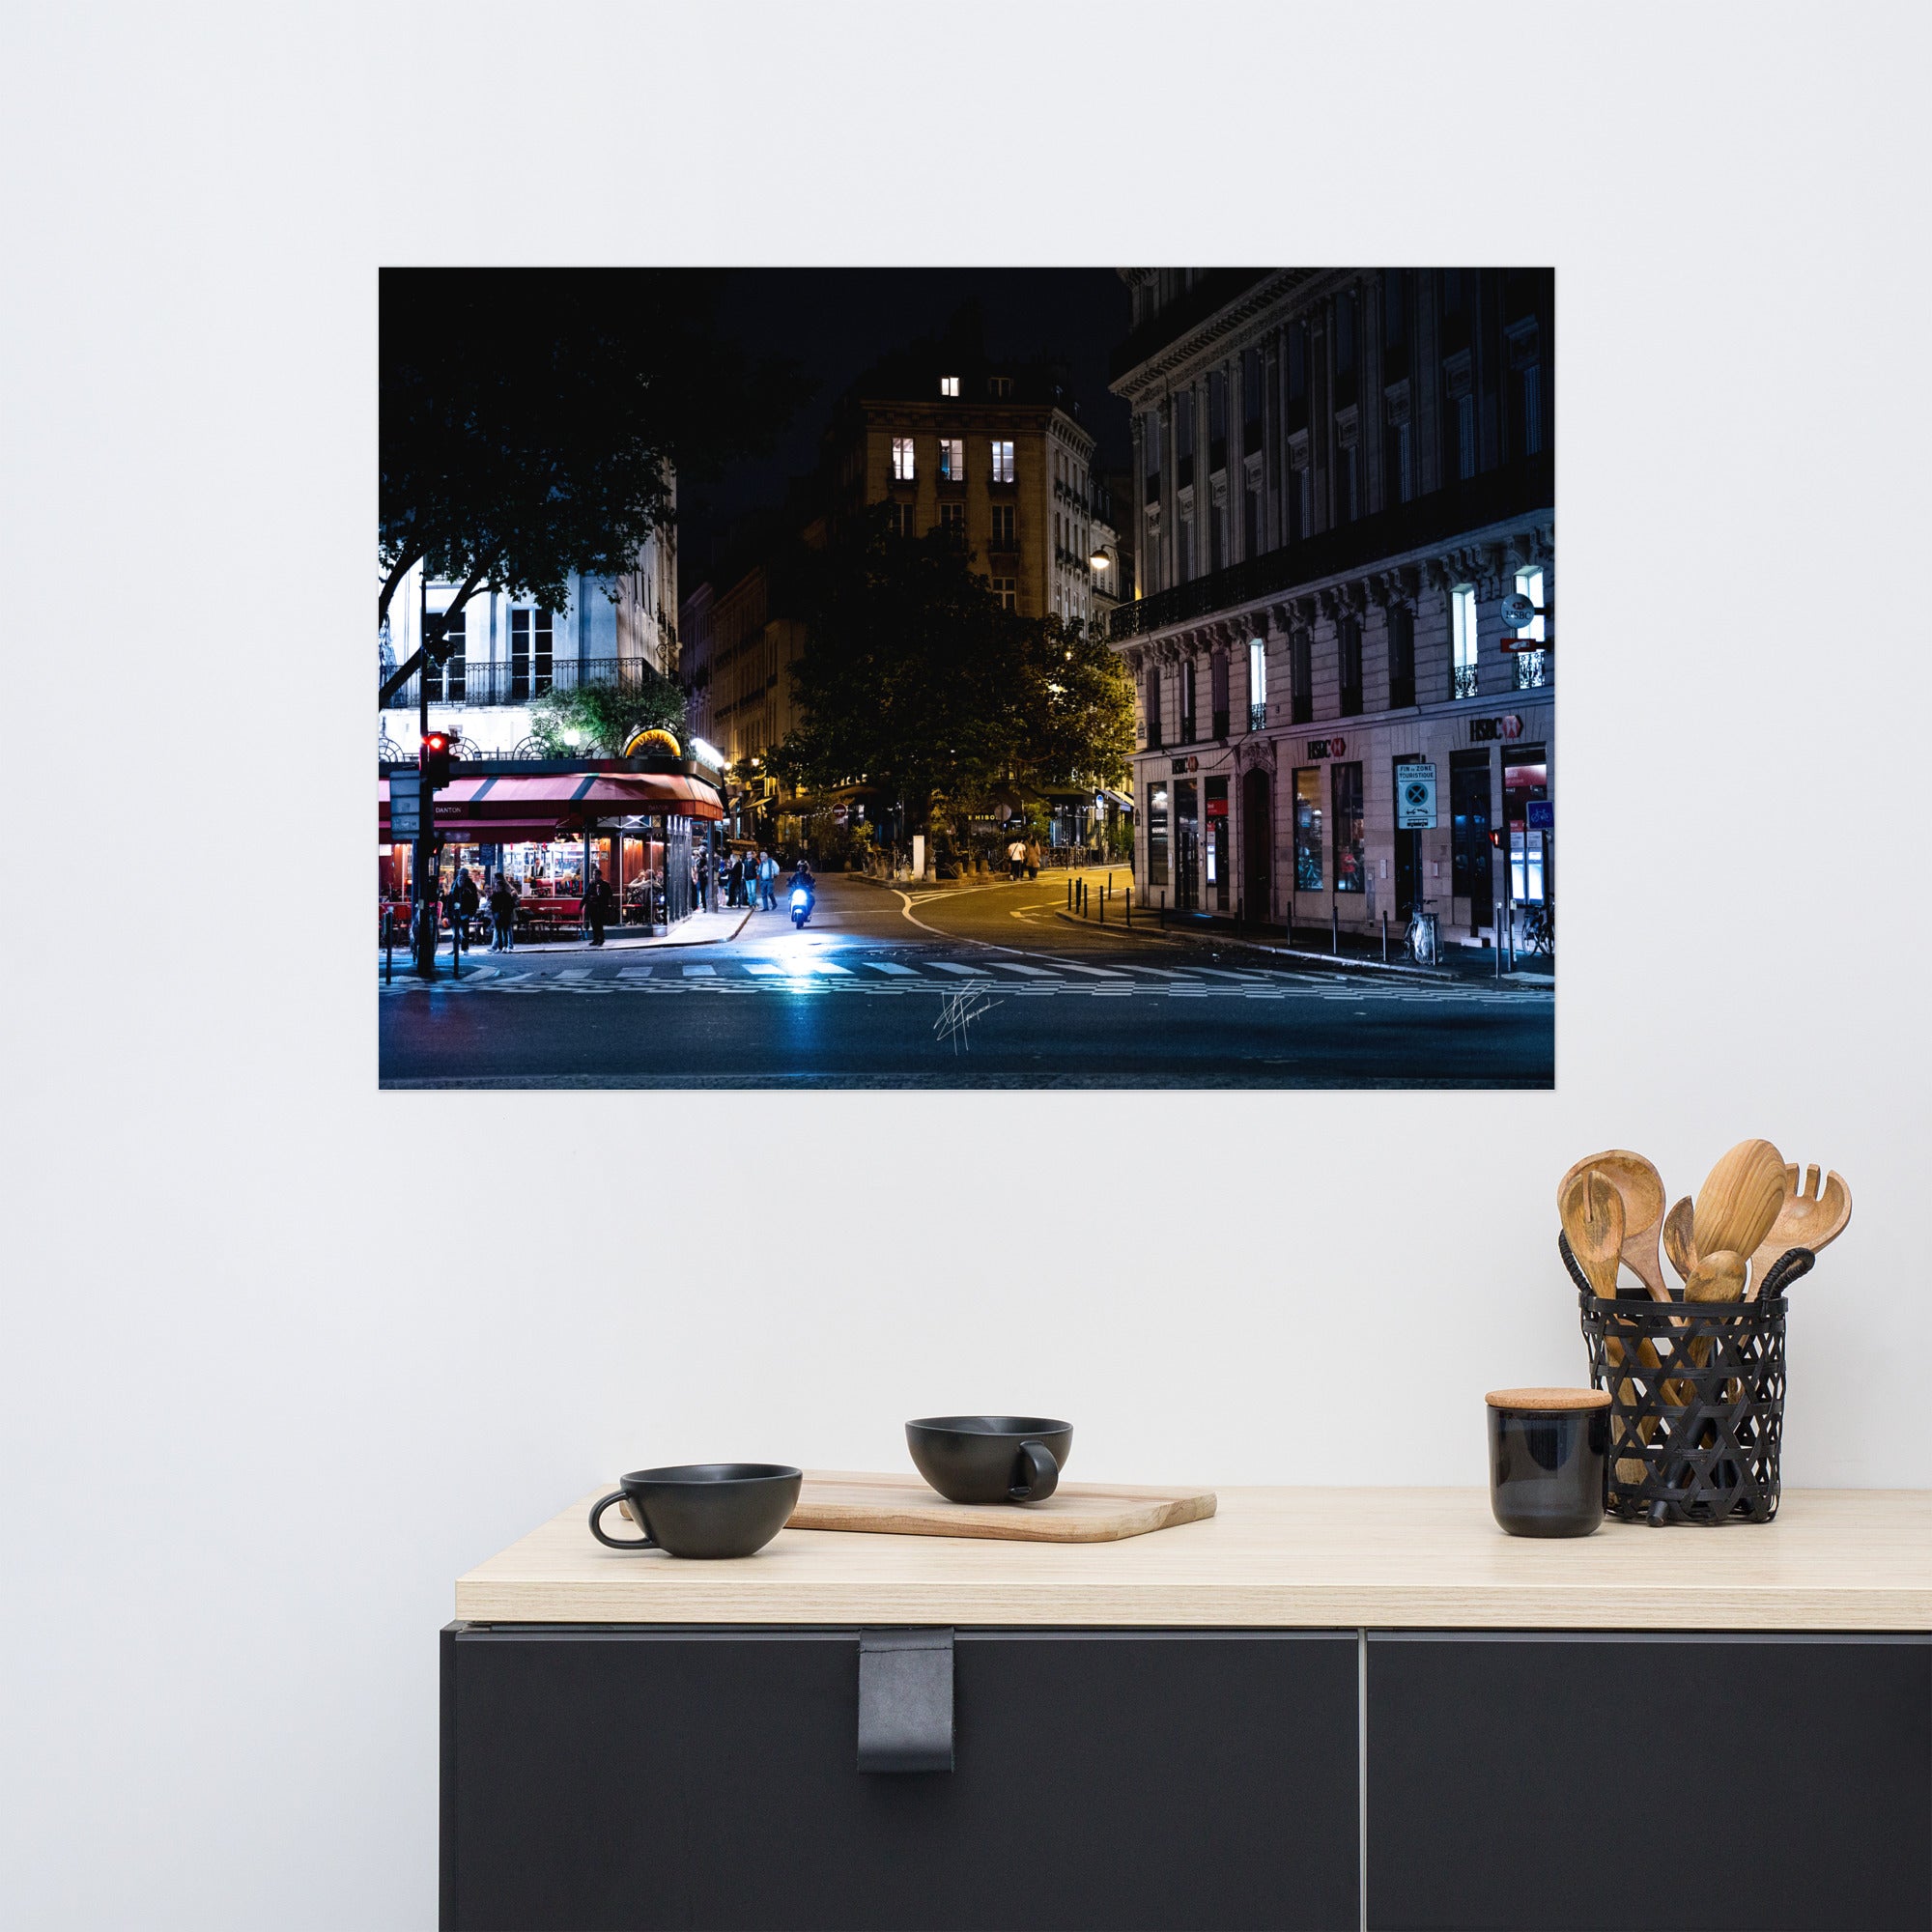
(990, 1459)
(1548, 1451)
(703, 1509)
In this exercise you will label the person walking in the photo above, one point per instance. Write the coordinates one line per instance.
(597, 907)
(1032, 860)
(768, 872)
(734, 879)
(503, 916)
(1016, 857)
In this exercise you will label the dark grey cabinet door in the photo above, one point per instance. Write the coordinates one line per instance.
(604, 1778)
(1617, 1782)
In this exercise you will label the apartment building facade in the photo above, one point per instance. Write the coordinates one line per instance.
(1343, 629)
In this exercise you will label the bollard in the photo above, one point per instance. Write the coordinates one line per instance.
(1130, 907)
(1334, 927)
(1386, 938)
(1499, 937)
(1069, 891)
(1103, 905)
(456, 947)
(389, 951)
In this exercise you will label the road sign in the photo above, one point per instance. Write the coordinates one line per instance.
(1416, 798)
(1543, 815)
(405, 805)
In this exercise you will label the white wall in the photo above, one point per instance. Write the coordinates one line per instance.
(263, 1392)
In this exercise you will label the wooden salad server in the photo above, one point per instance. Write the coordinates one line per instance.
(1738, 1200)
(1810, 1216)
(1641, 1188)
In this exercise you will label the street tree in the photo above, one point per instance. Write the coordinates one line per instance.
(598, 719)
(534, 425)
(915, 681)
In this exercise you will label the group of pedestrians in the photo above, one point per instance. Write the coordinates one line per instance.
(751, 881)
(1023, 859)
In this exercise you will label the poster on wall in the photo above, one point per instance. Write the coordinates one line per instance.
(1032, 677)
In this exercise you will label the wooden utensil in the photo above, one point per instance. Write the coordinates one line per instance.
(1593, 1218)
(1738, 1200)
(1593, 1223)
(1716, 1277)
(1810, 1216)
(1680, 1241)
(1641, 1188)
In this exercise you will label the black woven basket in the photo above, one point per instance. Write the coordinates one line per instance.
(1696, 1399)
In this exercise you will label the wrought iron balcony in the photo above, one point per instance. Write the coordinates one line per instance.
(1517, 490)
(1532, 669)
(1257, 717)
(1462, 681)
(518, 681)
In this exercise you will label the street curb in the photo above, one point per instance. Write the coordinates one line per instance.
(551, 947)
(1332, 961)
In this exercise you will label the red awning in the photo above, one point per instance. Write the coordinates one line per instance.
(504, 811)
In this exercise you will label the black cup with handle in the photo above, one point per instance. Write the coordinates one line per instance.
(990, 1459)
(702, 1509)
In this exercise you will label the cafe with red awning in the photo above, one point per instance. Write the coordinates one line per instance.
(548, 827)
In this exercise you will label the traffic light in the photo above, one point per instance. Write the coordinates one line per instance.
(434, 760)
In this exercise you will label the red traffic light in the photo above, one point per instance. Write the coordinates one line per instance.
(433, 760)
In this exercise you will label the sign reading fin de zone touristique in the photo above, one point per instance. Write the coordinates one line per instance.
(406, 805)
(1416, 798)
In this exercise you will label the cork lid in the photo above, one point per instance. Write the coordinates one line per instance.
(1548, 1401)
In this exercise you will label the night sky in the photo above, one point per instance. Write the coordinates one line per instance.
(837, 322)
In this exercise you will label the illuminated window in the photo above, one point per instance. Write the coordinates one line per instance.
(1462, 629)
(1003, 589)
(1532, 667)
(902, 471)
(1002, 463)
(949, 385)
(952, 459)
(1258, 684)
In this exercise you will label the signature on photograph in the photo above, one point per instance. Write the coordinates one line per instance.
(956, 1014)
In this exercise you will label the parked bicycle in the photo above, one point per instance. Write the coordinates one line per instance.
(1422, 940)
(1539, 927)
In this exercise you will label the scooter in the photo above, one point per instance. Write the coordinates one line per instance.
(801, 904)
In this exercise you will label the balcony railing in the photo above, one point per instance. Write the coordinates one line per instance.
(1462, 681)
(468, 681)
(1532, 670)
(1497, 494)
(1257, 717)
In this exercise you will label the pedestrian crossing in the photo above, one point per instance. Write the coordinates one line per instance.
(813, 974)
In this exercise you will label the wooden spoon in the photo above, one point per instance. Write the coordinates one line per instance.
(1738, 1200)
(1810, 1216)
(1641, 1188)
(1716, 1277)
(1680, 1239)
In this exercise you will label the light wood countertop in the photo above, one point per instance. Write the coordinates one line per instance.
(1833, 1560)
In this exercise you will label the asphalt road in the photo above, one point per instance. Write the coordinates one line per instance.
(982, 987)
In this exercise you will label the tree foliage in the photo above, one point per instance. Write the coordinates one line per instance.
(535, 423)
(914, 679)
(596, 721)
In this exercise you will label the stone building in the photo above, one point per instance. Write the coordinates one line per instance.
(1340, 476)
(612, 630)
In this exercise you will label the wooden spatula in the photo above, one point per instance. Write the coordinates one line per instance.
(1740, 1199)
(1593, 1221)
(1680, 1239)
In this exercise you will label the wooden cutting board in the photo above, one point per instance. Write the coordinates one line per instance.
(1075, 1513)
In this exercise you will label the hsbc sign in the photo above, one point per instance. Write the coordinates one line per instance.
(1327, 747)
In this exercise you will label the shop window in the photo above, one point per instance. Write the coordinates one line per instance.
(1351, 827)
(1186, 844)
(1258, 684)
(1532, 667)
(902, 470)
(1462, 640)
(1308, 829)
(1002, 461)
(951, 459)
(1525, 781)
(1470, 833)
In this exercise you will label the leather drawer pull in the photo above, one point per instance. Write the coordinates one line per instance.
(905, 1700)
